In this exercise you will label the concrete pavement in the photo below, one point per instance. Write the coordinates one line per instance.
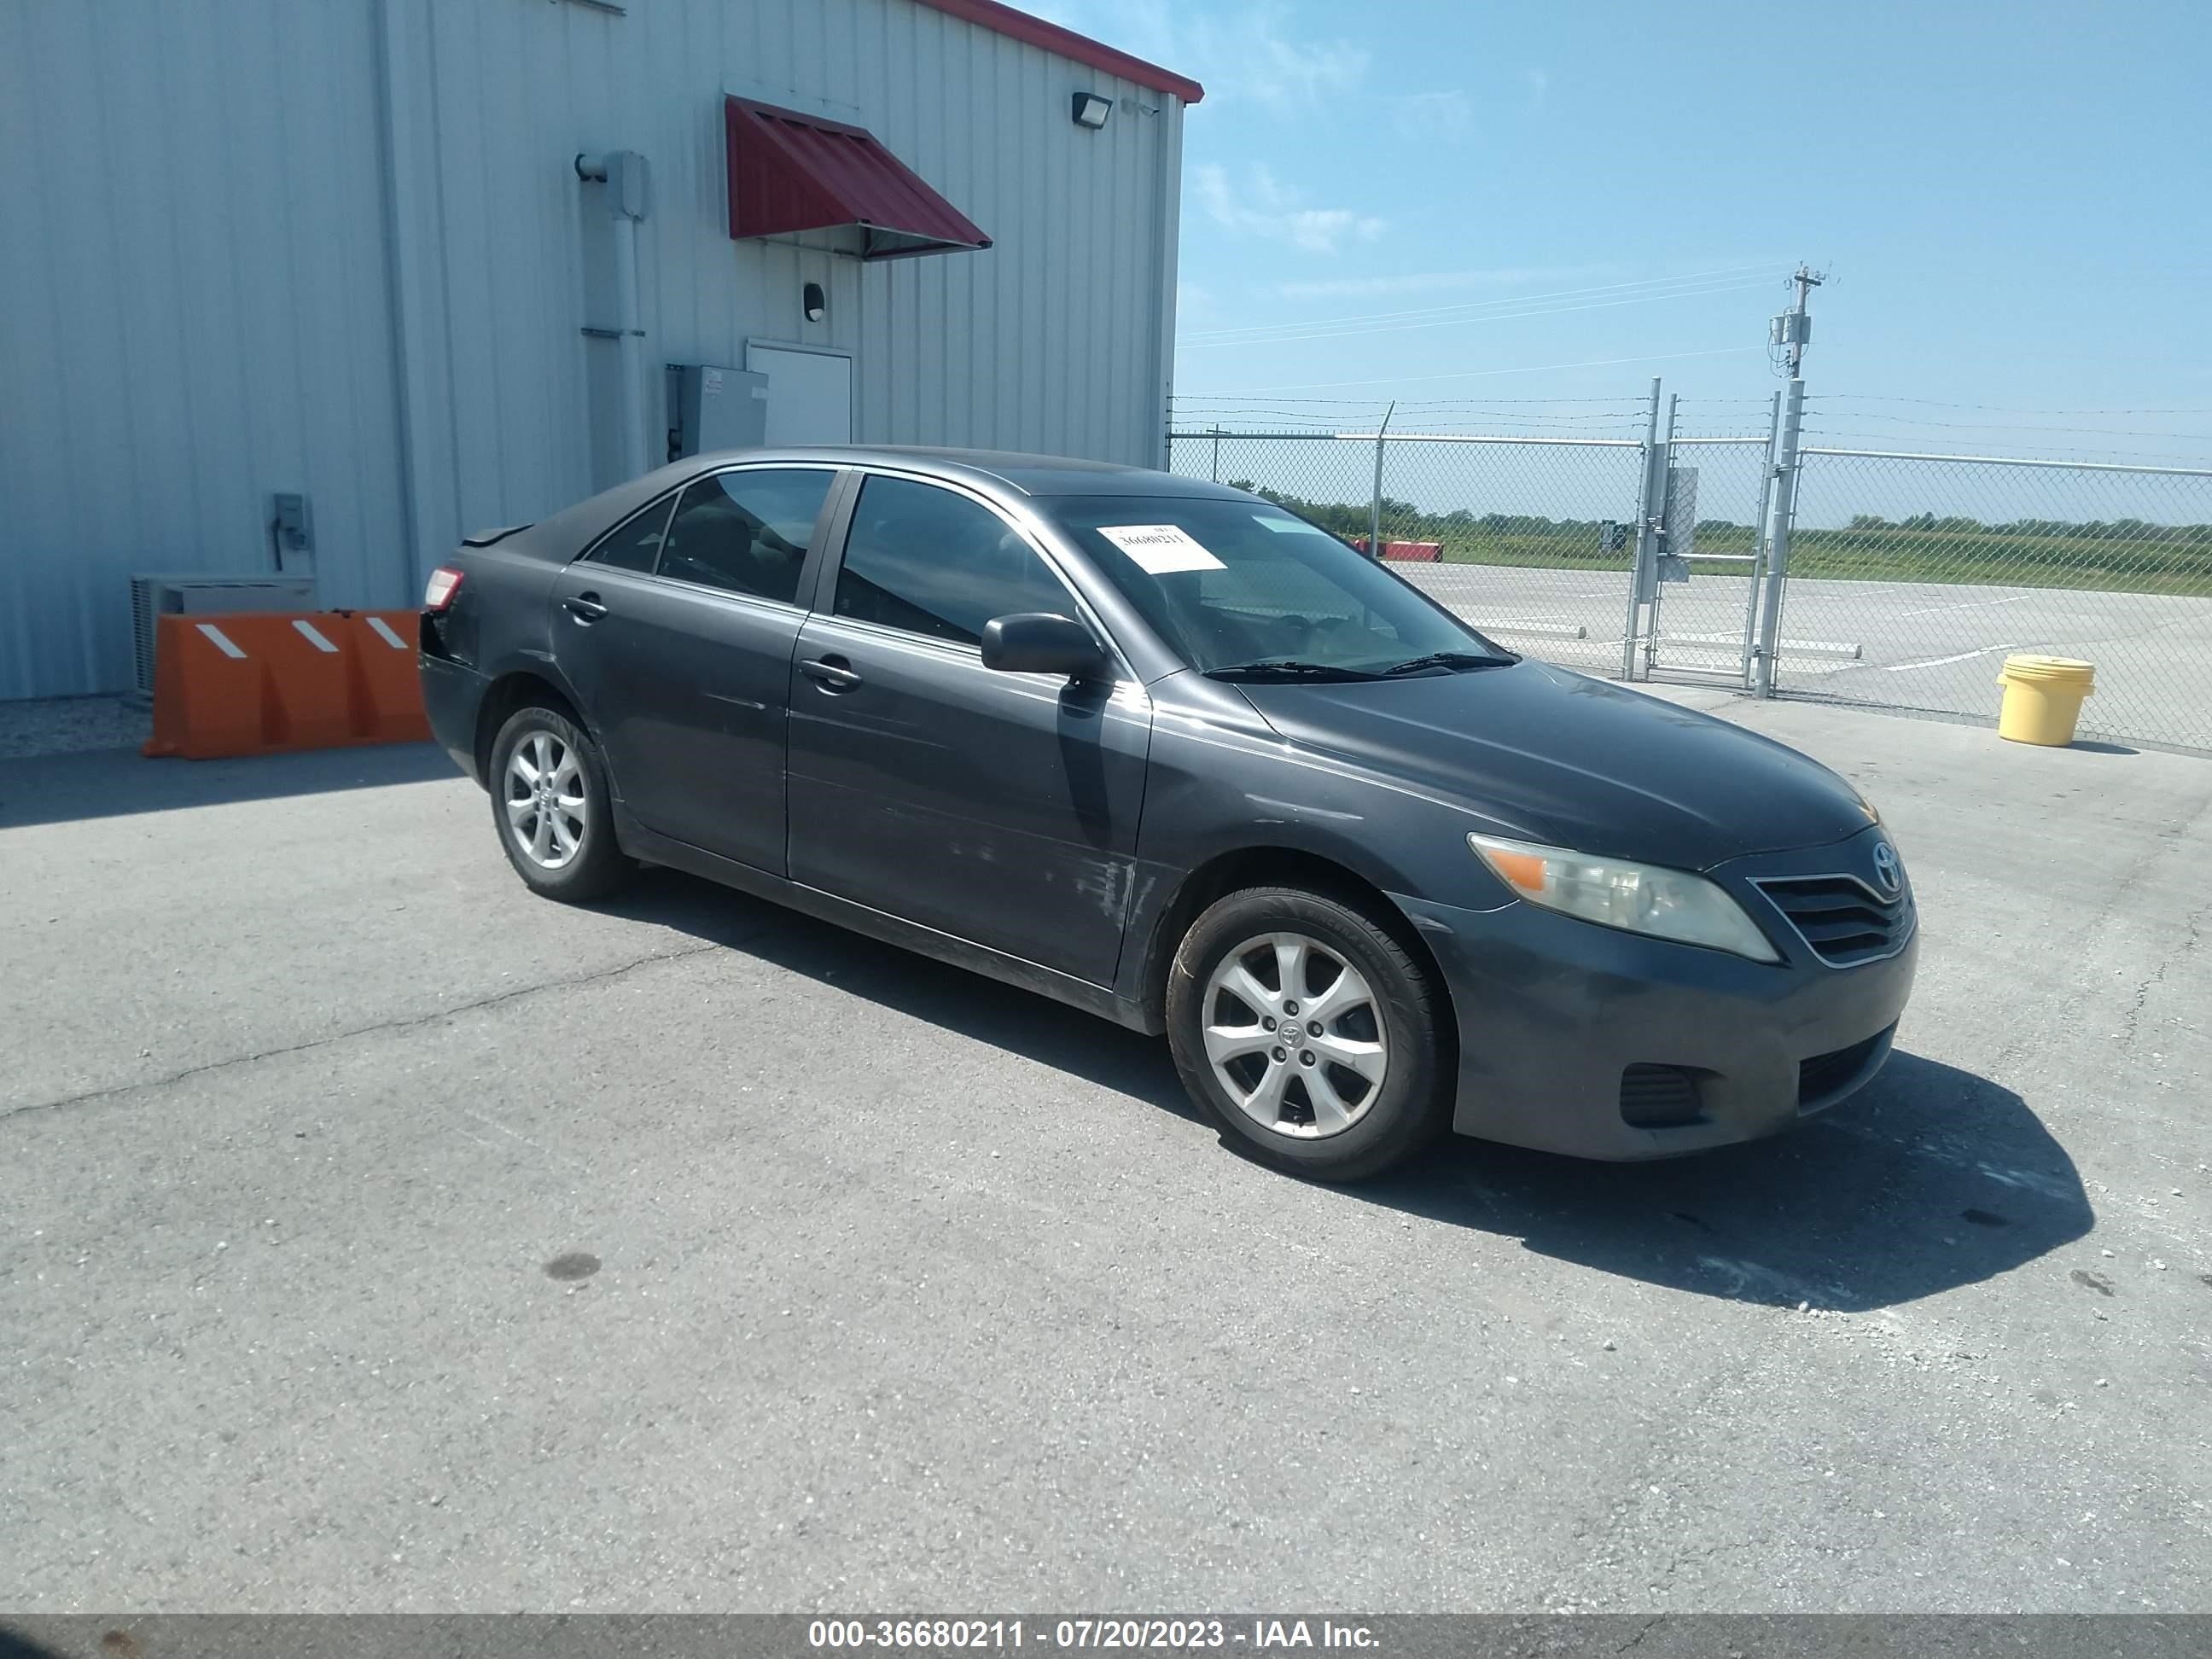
(375, 1237)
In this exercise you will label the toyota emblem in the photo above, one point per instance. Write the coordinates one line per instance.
(1885, 866)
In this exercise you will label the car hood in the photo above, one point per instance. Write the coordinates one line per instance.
(1551, 755)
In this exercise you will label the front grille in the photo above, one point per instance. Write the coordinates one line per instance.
(1660, 1096)
(1818, 1078)
(1843, 920)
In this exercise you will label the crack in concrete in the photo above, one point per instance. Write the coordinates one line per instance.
(1642, 1631)
(91, 1095)
(2194, 938)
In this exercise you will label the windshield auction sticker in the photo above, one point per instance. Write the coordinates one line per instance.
(1160, 548)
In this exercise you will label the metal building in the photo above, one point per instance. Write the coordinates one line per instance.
(315, 287)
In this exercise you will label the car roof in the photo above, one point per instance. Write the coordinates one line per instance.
(1025, 474)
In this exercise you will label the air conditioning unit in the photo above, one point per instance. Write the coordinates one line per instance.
(200, 594)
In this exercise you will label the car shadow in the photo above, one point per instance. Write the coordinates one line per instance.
(1929, 1179)
(102, 783)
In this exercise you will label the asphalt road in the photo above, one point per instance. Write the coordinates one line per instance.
(1931, 646)
(375, 1237)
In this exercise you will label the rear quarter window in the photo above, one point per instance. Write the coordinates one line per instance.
(635, 543)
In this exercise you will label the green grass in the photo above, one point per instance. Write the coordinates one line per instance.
(2127, 557)
(1939, 556)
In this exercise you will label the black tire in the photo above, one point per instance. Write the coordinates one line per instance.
(1408, 1108)
(597, 866)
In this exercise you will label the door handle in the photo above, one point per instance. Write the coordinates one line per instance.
(830, 673)
(584, 607)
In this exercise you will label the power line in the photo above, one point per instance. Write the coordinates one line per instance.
(1492, 317)
(1450, 411)
(1403, 402)
(1996, 409)
(1998, 426)
(1485, 373)
(1476, 305)
(2071, 451)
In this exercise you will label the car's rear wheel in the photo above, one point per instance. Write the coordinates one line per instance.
(1308, 1031)
(549, 801)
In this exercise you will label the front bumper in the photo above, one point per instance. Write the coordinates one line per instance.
(1554, 1012)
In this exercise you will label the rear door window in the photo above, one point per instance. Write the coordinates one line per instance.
(747, 531)
(931, 561)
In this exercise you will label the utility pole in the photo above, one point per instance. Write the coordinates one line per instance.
(1793, 331)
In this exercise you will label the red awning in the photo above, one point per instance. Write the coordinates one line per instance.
(790, 172)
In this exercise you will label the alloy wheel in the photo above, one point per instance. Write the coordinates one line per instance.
(1294, 1036)
(547, 809)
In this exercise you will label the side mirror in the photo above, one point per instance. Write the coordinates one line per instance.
(1034, 642)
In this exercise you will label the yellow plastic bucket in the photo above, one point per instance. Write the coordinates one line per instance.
(2043, 698)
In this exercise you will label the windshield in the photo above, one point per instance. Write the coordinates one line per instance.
(1242, 589)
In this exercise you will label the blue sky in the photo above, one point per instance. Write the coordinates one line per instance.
(2014, 201)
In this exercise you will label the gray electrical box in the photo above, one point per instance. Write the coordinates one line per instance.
(1681, 525)
(292, 527)
(717, 409)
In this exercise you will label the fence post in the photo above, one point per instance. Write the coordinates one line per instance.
(1777, 538)
(1375, 507)
(1751, 599)
(1663, 495)
(1217, 452)
(1646, 540)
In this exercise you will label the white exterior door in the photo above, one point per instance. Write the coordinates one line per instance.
(810, 394)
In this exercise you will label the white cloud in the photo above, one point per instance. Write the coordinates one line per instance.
(1433, 115)
(1259, 61)
(1429, 282)
(1263, 207)
(1256, 54)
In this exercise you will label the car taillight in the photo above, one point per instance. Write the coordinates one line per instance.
(445, 582)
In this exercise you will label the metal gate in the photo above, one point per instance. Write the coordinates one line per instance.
(1695, 605)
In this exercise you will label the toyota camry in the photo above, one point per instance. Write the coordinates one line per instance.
(1162, 749)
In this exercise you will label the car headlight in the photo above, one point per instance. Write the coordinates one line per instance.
(1639, 898)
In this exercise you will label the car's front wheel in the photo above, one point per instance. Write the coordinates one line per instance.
(1308, 1031)
(549, 800)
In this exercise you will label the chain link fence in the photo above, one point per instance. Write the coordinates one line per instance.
(1909, 577)
(1527, 538)
(1937, 567)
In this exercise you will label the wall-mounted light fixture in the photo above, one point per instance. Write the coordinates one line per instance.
(1091, 110)
(814, 303)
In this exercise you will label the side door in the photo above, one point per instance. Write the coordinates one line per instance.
(1001, 808)
(678, 635)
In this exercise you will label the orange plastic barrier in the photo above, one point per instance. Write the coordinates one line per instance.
(261, 682)
(386, 690)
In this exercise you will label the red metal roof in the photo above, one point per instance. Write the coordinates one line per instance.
(1080, 48)
(791, 171)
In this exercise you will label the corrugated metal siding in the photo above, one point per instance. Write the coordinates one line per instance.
(253, 246)
(193, 313)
